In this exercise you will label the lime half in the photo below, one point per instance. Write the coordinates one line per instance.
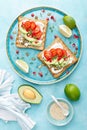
(72, 92)
(65, 31)
(22, 65)
(69, 21)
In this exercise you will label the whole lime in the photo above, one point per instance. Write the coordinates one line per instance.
(72, 92)
(69, 21)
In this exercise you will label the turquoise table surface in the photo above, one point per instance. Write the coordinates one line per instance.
(9, 10)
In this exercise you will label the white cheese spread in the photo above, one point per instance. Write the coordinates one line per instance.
(55, 70)
(56, 45)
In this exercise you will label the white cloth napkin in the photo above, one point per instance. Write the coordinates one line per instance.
(12, 108)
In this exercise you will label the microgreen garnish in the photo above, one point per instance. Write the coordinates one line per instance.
(33, 58)
(27, 54)
(49, 14)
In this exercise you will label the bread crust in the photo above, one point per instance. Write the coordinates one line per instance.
(18, 43)
(57, 41)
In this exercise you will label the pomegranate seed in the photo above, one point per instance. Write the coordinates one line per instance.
(34, 73)
(55, 36)
(43, 10)
(47, 19)
(17, 51)
(11, 37)
(75, 36)
(32, 15)
(67, 72)
(76, 48)
(52, 17)
(40, 74)
(73, 44)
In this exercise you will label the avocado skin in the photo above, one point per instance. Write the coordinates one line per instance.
(38, 98)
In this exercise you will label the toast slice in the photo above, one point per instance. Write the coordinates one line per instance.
(57, 57)
(31, 33)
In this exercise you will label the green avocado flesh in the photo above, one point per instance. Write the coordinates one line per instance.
(31, 40)
(59, 64)
(29, 94)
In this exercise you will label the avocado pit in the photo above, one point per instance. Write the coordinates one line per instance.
(29, 94)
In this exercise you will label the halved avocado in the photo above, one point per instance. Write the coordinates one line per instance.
(29, 94)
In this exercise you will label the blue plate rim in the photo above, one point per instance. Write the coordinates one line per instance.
(54, 80)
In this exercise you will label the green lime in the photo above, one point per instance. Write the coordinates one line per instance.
(69, 21)
(72, 92)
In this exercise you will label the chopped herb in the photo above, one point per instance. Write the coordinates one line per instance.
(46, 73)
(49, 14)
(17, 57)
(30, 32)
(34, 37)
(27, 54)
(41, 14)
(36, 17)
(51, 29)
(31, 62)
(12, 43)
(40, 66)
(75, 53)
(30, 41)
(22, 58)
(33, 58)
(14, 32)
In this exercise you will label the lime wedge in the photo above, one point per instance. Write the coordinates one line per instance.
(69, 21)
(22, 65)
(65, 30)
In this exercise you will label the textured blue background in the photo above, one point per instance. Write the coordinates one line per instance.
(9, 10)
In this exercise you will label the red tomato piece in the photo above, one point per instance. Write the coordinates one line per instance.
(32, 25)
(47, 55)
(53, 52)
(59, 58)
(59, 52)
(37, 29)
(38, 35)
(64, 53)
(26, 25)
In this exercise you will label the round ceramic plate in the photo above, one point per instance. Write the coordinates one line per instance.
(40, 74)
(60, 122)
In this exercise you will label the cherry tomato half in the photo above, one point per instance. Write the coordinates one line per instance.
(37, 29)
(47, 55)
(59, 52)
(32, 25)
(64, 53)
(26, 25)
(53, 52)
(38, 35)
